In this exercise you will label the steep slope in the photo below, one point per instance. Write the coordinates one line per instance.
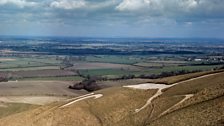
(198, 101)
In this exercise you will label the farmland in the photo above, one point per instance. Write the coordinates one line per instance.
(20, 63)
(75, 59)
(110, 58)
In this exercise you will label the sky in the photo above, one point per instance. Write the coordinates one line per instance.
(113, 18)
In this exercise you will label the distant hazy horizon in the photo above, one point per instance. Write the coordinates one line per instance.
(111, 37)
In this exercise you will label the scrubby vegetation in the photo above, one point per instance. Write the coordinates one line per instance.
(89, 84)
(3, 77)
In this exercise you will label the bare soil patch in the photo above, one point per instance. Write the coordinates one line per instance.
(36, 100)
(40, 73)
(6, 59)
(37, 88)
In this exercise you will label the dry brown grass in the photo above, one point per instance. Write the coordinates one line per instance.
(202, 114)
(206, 107)
(7, 109)
(117, 106)
(104, 110)
(206, 94)
(110, 112)
(161, 104)
(194, 86)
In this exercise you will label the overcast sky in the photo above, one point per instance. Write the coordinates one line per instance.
(113, 18)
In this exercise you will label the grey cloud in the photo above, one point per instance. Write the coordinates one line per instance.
(113, 15)
(173, 8)
(18, 3)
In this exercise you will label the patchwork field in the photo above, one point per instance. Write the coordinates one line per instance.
(110, 66)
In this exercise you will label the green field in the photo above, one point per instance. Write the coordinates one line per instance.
(68, 78)
(29, 63)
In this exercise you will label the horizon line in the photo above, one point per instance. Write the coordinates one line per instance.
(107, 37)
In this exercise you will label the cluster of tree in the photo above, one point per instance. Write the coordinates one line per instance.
(3, 79)
(132, 76)
(167, 74)
(87, 84)
(125, 77)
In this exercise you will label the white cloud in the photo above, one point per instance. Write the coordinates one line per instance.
(189, 10)
(19, 3)
(80, 4)
(189, 4)
(68, 4)
(138, 5)
(133, 5)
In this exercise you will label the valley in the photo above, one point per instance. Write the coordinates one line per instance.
(57, 83)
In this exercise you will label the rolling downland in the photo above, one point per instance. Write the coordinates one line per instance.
(196, 100)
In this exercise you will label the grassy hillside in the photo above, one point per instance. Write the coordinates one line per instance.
(12, 108)
(117, 106)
